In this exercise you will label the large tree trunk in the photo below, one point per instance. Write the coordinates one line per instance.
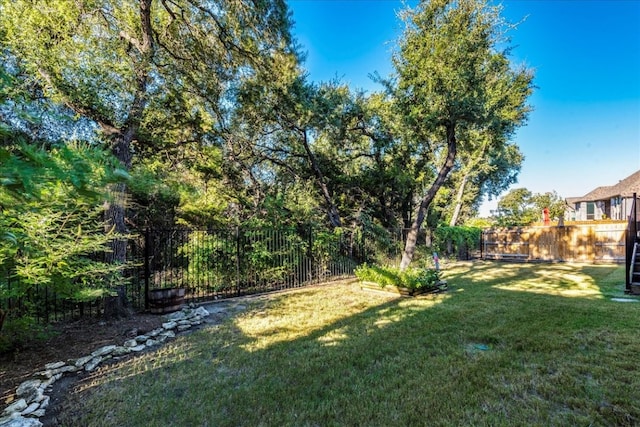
(121, 147)
(458, 206)
(116, 306)
(115, 209)
(3, 315)
(115, 223)
(412, 236)
(115, 212)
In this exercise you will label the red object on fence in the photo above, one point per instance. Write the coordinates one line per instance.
(545, 216)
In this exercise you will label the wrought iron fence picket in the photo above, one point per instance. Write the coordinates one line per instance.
(209, 264)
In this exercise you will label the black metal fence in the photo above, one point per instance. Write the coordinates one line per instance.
(210, 264)
(632, 237)
(220, 263)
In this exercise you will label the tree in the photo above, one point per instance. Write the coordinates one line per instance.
(283, 121)
(521, 207)
(549, 200)
(152, 74)
(50, 227)
(515, 208)
(450, 78)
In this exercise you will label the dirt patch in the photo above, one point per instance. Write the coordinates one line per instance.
(68, 340)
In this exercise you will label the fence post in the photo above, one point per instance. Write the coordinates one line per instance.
(635, 216)
(238, 260)
(147, 267)
(363, 247)
(632, 237)
(310, 253)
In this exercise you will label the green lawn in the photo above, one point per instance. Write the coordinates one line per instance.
(508, 344)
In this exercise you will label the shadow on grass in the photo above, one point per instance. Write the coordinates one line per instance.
(481, 354)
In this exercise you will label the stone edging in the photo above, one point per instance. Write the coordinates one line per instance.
(31, 399)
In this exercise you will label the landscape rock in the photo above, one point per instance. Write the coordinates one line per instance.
(93, 364)
(33, 401)
(55, 365)
(29, 390)
(31, 409)
(121, 351)
(130, 343)
(45, 402)
(103, 351)
(155, 332)
(21, 422)
(201, 311)
(142, 338)
(178, 315)
(48, 383)
(64, 369)
(39, 413)
(17, 406)
(169, 325)
(167, 334)
(80, 362)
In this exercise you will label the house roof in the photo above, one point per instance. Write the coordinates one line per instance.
(624, 188)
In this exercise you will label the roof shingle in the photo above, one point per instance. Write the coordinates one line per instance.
(624, 188)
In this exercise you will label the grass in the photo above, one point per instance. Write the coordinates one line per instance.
(508, 344)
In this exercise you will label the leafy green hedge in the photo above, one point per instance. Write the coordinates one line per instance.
(456, 240)
(414, 278)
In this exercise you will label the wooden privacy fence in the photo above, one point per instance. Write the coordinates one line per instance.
(596, 242)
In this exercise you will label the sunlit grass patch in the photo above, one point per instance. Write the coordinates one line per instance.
(490, 351)
(561, 281)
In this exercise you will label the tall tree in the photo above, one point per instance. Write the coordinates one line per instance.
(522, 207)
(516, 208)
(450, 76)
(151, 74)
(282, 121)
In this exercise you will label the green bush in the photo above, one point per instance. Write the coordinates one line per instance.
(456, 240)
(413, 278)
(51, 226)
(18, 332)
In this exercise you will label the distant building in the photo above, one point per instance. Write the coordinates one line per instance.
(611, 202)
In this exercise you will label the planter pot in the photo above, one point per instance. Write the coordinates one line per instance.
(166, 300)
(400, 290)
(389, 289)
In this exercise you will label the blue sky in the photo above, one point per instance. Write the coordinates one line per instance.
(584, 131)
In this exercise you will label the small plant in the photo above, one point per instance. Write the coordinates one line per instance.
(413, 279)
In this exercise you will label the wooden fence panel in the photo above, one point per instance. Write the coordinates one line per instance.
(596, 242)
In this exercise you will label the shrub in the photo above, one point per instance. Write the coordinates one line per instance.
(413, 278)
(456, 240)
(51, 226)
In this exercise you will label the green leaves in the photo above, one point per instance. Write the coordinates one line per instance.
(522, 207)
(414, 278)
(52, 217)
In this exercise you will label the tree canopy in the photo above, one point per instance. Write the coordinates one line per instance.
(456, 91)
(154, 76)
(522, 207)
(199, 113)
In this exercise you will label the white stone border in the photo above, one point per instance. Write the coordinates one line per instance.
(31, 398)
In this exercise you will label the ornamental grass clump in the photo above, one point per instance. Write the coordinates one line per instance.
(412, 278)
